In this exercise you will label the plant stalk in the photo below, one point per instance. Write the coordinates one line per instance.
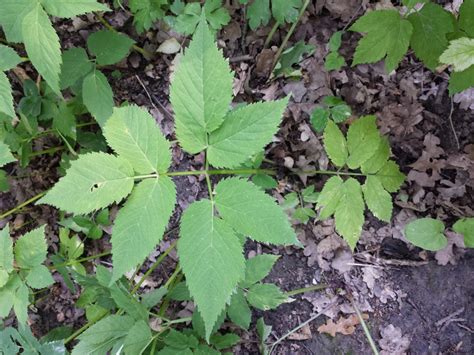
(307, 289)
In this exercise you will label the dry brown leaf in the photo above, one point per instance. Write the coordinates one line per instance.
(344, 326)
(303, 334)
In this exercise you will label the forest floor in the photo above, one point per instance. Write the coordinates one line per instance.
(415, 301)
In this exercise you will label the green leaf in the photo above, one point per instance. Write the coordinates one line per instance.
(200, 108)
(134, 134)
(286, 10)
(266, 182)
(145, 12)
(363, 139)
(252, 212)
(239, 311)
(460, 81)
(71, 8)
(245, 132)
(20, 303)
(5, 154)
(291, 57)
(42, 46)
(340, 112)
(335, 41)
(6, 255)
(390, 176)
(334, 61)
(109, 47)
(335, 144)
(93, 182)
(7, 295)
(224, 341)
(65, 121)
(179, 340)
(258, 13)
(426, 233)
(460, 54)
(265, 296)
(39, 277)
(31, 249)
(103, 335)
(138, 338)
(141, 223)
(378, 200)
(257, 268)
(8, 58)
(465, 226)
(380, 157)
(76, 65)
(329, 198)
(4, 184)
(319, 119)
(98, 96)
(216, 14)
(187, 17)
(152, 298)
(212, 261)
(466, 17)
(349, 212)
(388, 36)
(179, 292)
(173, 351)
(12, 13)
(6, 98)
(430, 26)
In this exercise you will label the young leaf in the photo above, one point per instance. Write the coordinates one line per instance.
(245, 132)
(426, 233)
(71, 8)
(258, 268)
(286, 10)
(363, 139)
(179, 340)
(378, 200)
(200, 108)
(390, 176)
(7, 295)
(138, 338)
(224, 341)
(20, 303)
(12, 13)
(6, 98)
(465, 226)
(460, 81)
(258, 13)
(380, 157)
(460, 54)
(329, 198)
(349, 212)
(466, 17)
(109, 47)
(134, 134)
(8, 58)
(140, 224)
(5, 154)
(145, 12)
(319, 119)
(388, 36)
(6, 255)
(187, 16)
(76, 65)
(265, 296)
(42, 46)
(431, 24)
(93, 182)
(335, 144)
(102, 336)
(239, 311)
(212, 261)
(252, 212)
(98, 96)
(31, 249)
(216, 14)
(39, 277)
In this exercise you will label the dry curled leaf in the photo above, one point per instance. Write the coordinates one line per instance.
(343, 325)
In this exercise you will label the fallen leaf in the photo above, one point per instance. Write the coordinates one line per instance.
(344, 326)
(303, 334)
(393, 342)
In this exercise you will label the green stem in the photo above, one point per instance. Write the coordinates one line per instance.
(47, 151)
(24, 204)
(288, 35)
(270, 34)
(371, 341)
(307, 289)
(82, 260)
(222, 172)
(180, 320)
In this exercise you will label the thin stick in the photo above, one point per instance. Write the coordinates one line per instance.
(307, 289)
(452, 124)
(366, 330)
(146, 91)
(24, 204)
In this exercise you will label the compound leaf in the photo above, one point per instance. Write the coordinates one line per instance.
(252, 212)
(12, 13)
(244, 133)
(426, 233)
(93, 182)
(465, 226)
(212, 261)
(388, 36)
(377, 198)
(329, 198)
(257, 268)
(349, 212)
(286, 10)
(239, 311)
(201, 91)
(390, 176)
(30, 249)
(216, 15)
(71, 8)
(42, 45)
(378, 159)
(430, 26)
(335, 144)
(98, 96)
(363, 139)
(140, 224)
(76, 65)
(109, 47)
(258, 13)
(8, 58)
(460, 54)
(134, 134)
(145, 12)
(265, 296)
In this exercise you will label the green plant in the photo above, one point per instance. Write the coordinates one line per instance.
(428, 31)
(428, 233)
(334, 109)
(300, 205)
(334, 61)
(259, 12)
